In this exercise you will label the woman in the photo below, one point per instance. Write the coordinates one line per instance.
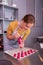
(20, 29)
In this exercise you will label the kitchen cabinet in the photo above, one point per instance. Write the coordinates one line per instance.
(8, 13)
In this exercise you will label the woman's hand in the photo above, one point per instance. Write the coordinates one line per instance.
(16, 35)
(21, 45)
(20, 42)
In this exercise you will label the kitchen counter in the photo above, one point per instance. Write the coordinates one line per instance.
(31, 59)
(40, 40)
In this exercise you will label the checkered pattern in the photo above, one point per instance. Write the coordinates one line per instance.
(23, 54)
(20, 53)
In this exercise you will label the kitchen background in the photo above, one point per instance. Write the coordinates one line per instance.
(16, 9)
(23, 7)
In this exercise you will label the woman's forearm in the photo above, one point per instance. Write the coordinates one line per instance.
(10, 37)
(15, 36)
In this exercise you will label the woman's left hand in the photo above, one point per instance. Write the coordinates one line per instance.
(21, 45)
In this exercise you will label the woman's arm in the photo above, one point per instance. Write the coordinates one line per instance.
(10, 34)
(14, 36)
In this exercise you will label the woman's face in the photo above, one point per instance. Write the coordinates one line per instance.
(26, 26)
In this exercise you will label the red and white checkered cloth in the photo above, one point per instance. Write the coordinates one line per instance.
(22, 54)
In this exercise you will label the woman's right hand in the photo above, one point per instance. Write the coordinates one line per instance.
(16, 35)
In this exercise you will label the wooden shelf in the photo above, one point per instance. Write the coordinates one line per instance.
(8, 13)
(8, 19)
(9, 6)
(1, 4)
(1, 18)
(1, 33)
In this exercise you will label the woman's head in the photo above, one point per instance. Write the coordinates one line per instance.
(28, 20)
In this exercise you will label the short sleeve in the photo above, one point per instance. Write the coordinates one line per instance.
(9, 30)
